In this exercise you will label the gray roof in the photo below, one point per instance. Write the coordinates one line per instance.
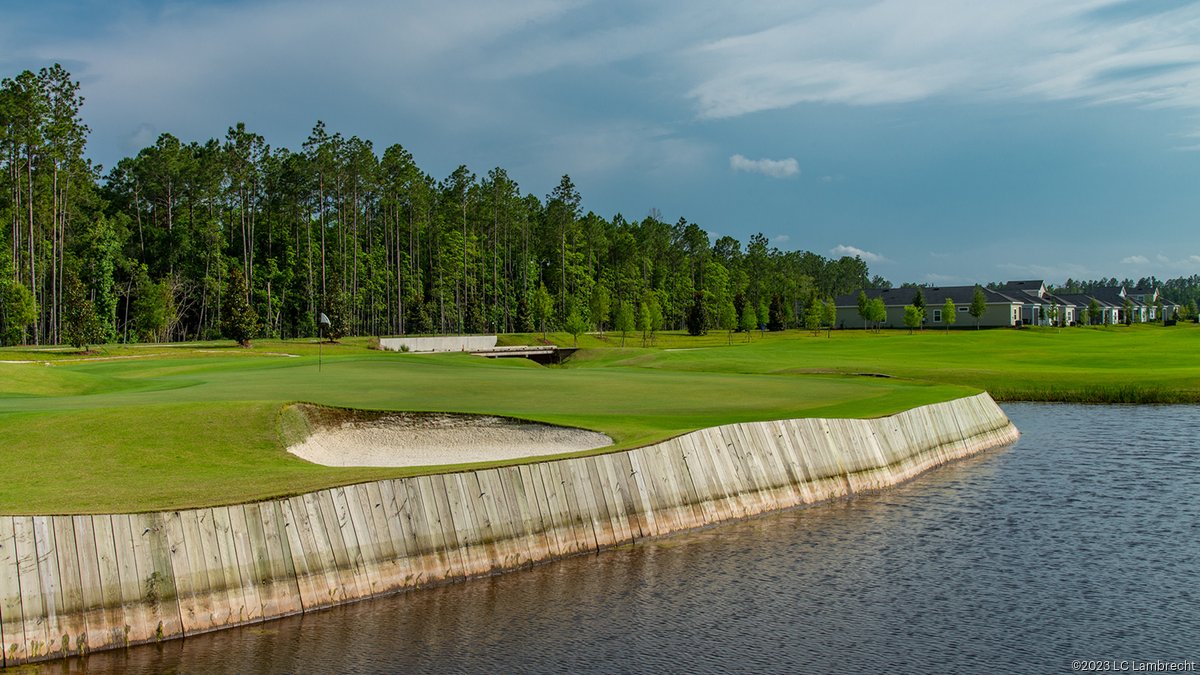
(1025, 285)
(934, 296)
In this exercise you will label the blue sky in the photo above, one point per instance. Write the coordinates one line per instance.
(948, 141)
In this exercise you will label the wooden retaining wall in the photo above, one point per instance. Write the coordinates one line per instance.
(71, 584)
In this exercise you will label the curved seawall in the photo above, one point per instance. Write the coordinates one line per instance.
(71, 584)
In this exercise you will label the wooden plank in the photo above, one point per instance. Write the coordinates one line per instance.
(390, 565)
(12, 618)
(57, 627)
(225, 577)
(234, 543)
(357, 525)
(461, 515)
(141, 625)
(97, 618)
(313, 579)
(114, 624)
(433, 488)
(506, 525)
(423, 563)
(153, 551)
(64, 564)
(481, 522)
(533, 479)
(33, 607)
(280, 592)
(575, 514)
(364, 577)
(343, 581)
(401, 572)
(529, 542)
(603, 522)
(439, 552)
(562, 517)
(348, 575)
(643, 492)
(187, 566)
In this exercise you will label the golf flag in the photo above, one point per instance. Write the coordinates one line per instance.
(324, 319)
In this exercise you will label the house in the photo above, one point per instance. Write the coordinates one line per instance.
(1016, 303)
(1001, 310)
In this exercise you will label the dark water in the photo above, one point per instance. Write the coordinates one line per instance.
(1081, 542)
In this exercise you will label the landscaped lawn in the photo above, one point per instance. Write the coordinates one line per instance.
(157, 427)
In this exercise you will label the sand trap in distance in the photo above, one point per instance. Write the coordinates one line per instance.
(354, 438)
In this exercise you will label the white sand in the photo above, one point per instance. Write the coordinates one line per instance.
(429, 439)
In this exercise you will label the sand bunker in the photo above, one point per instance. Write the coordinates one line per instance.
(348, 438)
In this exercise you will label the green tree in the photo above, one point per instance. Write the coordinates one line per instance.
(239, 319)
(1051, 314)
(625, 322)
(918, 301)
(576, 324)
(913, 317)
(978, 306)
(727, 319)
(655, 317)
(153, 308)
(749, 320)
(337, 310)
(813, 315)
(1085, 316)
(598, 304)
(17, 311)
(1127, 311)
(81, 326)
(543, 308)
(863, 308)
(877, 312)
(643, 323)
(697, 318)
(1093, 310)
(949, 315)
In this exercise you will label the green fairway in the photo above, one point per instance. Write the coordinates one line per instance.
(156, 427)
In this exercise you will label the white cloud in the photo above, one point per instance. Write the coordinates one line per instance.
(942, 279)
(896, 51)
(1134, 260)
(775, 168)
(781, 238)
(852, 251)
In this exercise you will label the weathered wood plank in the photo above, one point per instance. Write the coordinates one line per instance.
(12, 618)
(279, 589)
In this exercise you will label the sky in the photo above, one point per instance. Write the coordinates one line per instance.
(944, 141)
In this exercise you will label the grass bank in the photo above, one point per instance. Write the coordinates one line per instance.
(144, 428)
(156, 427)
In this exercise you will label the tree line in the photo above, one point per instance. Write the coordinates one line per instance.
(232, 237)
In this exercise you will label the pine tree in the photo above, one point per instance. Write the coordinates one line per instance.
(81, 326)
(239, 320)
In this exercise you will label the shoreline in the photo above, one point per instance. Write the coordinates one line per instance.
(74, 584)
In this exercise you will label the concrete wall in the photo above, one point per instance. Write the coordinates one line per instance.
(443, 343)
(70, 584)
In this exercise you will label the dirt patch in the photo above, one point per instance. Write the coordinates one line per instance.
(338, 437)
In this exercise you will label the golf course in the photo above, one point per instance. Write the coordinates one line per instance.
(154, 427)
